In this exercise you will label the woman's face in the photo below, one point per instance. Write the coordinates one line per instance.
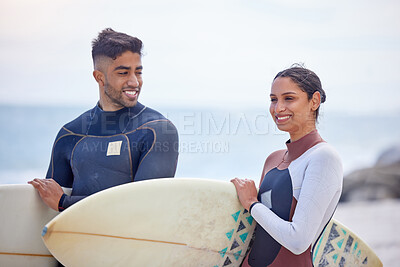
(291, 109)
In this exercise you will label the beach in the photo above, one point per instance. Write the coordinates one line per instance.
(377, 223)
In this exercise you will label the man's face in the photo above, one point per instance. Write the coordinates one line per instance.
(123, 82)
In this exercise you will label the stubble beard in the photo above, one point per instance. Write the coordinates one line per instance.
(116, 97)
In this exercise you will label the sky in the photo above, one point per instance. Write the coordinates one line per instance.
(209, 53)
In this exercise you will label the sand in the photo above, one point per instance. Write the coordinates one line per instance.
(377, 223)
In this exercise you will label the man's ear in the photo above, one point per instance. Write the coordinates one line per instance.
(99, 77)
(315, 100)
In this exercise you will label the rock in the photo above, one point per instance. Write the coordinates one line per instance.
(379, 182)
(389, 156)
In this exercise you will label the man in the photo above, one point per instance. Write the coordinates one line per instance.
(119, 140)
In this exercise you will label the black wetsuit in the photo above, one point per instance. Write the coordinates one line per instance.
(102, 149)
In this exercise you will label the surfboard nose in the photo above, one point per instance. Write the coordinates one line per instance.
(44, 231)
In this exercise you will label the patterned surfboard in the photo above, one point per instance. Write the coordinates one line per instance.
(339, 246)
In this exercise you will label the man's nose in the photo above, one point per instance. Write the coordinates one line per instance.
(133, 81)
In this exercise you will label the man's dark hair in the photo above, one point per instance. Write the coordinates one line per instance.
(112, 44)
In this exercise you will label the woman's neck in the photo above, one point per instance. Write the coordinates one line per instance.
(294, 136)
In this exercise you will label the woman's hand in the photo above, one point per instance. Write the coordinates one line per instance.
(246, 190)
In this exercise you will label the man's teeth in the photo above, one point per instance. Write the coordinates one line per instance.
(131, 92)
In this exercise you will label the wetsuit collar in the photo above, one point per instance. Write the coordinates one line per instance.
(298, 147)
(122, 117)
(133, 111)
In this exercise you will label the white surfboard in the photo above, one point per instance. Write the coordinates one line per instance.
(22, 217)
(339, 246)
(161, 222)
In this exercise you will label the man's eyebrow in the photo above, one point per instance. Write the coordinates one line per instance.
(122, 68)
(127, 68)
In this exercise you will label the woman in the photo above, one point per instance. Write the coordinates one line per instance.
(300, 186)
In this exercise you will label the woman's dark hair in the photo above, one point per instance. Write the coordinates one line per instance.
(306, 79)
(112, 44)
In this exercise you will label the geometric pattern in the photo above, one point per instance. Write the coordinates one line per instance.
(239, 236)
(339, 248)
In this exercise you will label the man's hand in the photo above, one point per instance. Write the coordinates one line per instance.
(49, 190)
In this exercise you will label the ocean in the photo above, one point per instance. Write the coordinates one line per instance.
(214, 143)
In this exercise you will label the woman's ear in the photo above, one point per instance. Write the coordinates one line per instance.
(315, 101)
(99, 77)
